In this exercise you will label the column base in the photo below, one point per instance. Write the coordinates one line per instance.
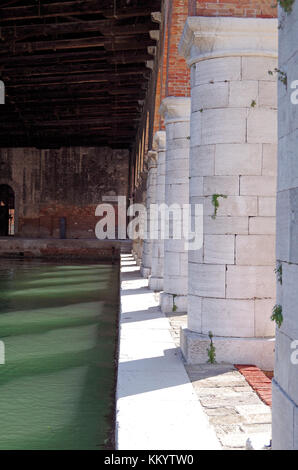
(156, 283)
(170, 303)
(256, 351)
(145, 272)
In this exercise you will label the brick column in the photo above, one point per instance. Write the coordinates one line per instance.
(285, 383)
(156, 278)
(176, 112)
(150, 199)
(232, 166)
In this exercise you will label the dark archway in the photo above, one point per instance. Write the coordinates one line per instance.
(7, 210)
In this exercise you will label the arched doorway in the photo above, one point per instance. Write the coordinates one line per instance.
(7, 210)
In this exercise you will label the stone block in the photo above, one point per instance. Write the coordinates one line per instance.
(243, 93)
(172, 265)
(267, 206)
(218, 70)
(226, 225)
(170, 304)
(290, 299)
(269, 166)
(258, 185)
(255, 250)
(259, 351)
(256, 68)
(282, 419)
(206, 280)
(223, 126)
(194, 313)
(219, 249)
(156, 284)
(264, 327)
(283, 226)
(228, 185)
(175, 285)
(233, 206)
(238, 159)
(268, 94)
(250, 282)
(262, 126)
(262, 225)
(210, 95)
(196, 129)
(226, 317)
(196, 186)
(202, 160)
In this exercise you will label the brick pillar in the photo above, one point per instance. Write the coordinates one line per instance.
(233, 154)
(285, 383)
(176, 111)
(150, 199)
(156, 278)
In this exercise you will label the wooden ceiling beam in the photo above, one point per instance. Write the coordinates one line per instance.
(41, 72)
(76, 8)
(117, 44)
(69, 79)
(105, 27)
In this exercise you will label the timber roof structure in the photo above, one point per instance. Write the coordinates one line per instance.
(75, 72)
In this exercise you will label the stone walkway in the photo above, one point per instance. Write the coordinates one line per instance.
(157, 408)
(163, 403)
(233, 408)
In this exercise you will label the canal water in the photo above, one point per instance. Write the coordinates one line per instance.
(59, 326)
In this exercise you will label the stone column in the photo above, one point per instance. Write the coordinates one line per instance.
(150, 199)
(176, 112)
(156, 278)
(233, 174)
(285, 383)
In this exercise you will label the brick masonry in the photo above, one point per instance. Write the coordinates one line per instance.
(259, 381)
(236, 8)
(67, 182)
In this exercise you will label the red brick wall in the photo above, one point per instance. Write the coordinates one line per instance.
(238, 8)
(174, 75)
(178, 74)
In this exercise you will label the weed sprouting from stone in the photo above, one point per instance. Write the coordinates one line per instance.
(215, 203)
(277, 315)
(211, 350)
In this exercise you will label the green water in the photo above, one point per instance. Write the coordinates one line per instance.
(58, 323)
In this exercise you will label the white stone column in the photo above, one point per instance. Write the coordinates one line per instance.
(156, 278)
(232, 166)
(285, 383)
(176, 112)
(150, 199)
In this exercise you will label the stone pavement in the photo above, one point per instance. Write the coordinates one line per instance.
(233, 408)
(157, 407)
(163, 403)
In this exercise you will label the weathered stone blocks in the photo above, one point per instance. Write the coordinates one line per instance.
(234, 122)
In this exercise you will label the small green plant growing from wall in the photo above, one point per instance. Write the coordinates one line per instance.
(201, 110)
(215, 203)
(278, 272)
(282, 76)
(286, 5)
(277, 315)
(174, 309)
(253, 103)
(211, 351)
